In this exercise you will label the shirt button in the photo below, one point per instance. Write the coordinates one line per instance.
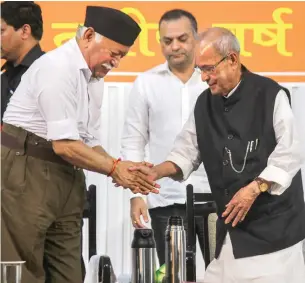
(225, 162)
(226, 109)
(17, 153)
(230, 137)
(226, 192)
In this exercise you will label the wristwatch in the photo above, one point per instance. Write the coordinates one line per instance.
(263, 184)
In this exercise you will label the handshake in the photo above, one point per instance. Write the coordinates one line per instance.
(139, 177)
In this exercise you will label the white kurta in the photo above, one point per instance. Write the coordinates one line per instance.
(284, 266)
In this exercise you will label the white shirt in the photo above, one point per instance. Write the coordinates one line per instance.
(160, 104)
(57, 99)
(283, 163)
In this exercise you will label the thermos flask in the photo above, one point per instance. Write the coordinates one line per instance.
(175, 250)
(143, 256)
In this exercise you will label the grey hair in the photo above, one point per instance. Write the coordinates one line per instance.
(222, 40)
(81, 31)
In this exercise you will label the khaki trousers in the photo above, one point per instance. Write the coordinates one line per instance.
(41, 211)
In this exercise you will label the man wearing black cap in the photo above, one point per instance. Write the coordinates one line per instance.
(54, 135)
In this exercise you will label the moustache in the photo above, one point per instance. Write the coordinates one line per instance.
(107, 66)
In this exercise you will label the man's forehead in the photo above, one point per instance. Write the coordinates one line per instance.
(206, 54)
(175, 28)
(114, 46)
(206, 49)
(120, 51)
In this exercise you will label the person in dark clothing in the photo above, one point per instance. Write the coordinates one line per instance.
(21, 31)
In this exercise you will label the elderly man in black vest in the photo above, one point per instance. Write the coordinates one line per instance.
(243, 131)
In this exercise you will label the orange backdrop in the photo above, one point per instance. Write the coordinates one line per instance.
(271, 34)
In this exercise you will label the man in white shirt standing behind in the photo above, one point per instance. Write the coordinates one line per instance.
(160, 103)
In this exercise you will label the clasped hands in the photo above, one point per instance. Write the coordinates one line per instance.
(139, 177)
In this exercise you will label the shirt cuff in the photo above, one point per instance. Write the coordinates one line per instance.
(132, 195)
(93, 142)
(277, 175)
(185, 165)
(63, 129)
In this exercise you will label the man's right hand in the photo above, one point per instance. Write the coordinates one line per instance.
(136, 181)
(138, 207)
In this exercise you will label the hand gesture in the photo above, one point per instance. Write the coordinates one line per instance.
(138, 207)
(135, 180)
(241, 203)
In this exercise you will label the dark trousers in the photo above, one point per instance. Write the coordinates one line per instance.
(42, 204)
(159, 217)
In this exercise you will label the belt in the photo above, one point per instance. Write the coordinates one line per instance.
(31, 149)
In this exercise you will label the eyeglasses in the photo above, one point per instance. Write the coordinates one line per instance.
(209, 69)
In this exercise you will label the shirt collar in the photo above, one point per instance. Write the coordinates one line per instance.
(244, 71)
(28, 59)
(163, 68)
(80, 60)
(34, 53)
(232, 91)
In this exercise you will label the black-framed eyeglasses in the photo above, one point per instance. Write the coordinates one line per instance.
(209, 69)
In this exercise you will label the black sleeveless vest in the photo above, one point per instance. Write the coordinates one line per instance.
(274, 222)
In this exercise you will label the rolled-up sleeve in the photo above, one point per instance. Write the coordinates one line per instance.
(286, 159)
(92, 142)
(56, 100)
(185, 153)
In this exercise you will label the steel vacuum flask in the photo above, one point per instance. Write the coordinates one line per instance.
(143, 256)
(175, 250)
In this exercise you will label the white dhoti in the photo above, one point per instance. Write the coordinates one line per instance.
(284, 266)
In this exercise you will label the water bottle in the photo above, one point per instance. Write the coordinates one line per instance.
(106, 273)
(143, 256)
(175, 250)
